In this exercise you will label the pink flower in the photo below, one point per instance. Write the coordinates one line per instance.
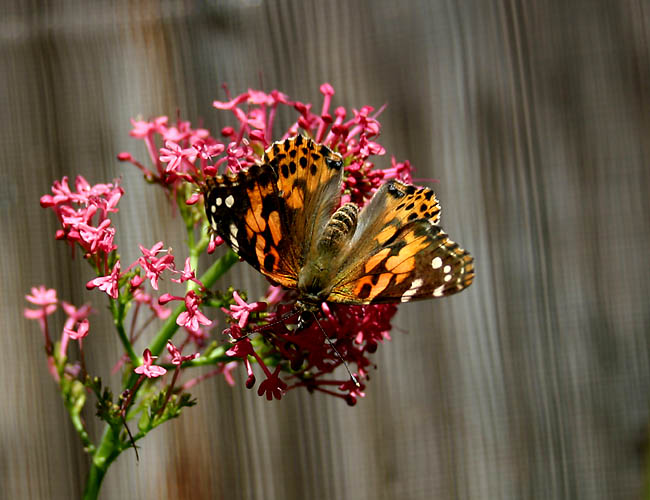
(154, 266)
(273, 386)
(177, 358)
(187, 274)
(75, 315)
(274, 294)
(143, 128)
(242, 310)
(44, 297)
(176, 157)
(147, 368)
(84, 214)
(158, 309)
(192, 317)
(108, 284)
(80, 332)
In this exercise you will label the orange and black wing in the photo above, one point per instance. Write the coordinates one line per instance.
(271, 214)
(399, 253)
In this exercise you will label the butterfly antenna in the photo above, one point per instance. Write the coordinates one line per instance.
(329, 341)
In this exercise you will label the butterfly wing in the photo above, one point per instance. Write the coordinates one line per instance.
(271, 214)
(406, 255)
(309, 181)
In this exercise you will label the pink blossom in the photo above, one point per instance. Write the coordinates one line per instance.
(273, 386)
(143, 128)
(44, 297)
(154, 266)
(108, 284)
(274, 294)
(76, 314)
(144, 298)
(242, 310)
(192, 317)
(177, 157)
(80, 332)
(186, 274)
(147, 368)
(226, 369)
(177, 358)
(84, 213)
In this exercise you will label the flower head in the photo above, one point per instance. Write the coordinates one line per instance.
(242, 310)
(108, 284)
(147, 368)
(192, 317)
(43, 297)
(80, 332)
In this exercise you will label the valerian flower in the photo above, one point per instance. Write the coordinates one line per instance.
(80, 332)
(147, 368)
(192, 317)
(84, 214)
(109, 283)
(242, 309)
(154, 266)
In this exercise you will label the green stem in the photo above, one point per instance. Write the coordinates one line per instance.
(117, 309)
(107, 452)
(77, 423)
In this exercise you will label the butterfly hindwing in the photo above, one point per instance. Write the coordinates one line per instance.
(406, 255)
(419, 262)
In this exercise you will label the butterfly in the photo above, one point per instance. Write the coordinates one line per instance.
(283, 218)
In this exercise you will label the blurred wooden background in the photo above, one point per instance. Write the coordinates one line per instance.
(534, 116)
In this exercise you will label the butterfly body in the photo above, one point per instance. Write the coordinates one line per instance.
(282, 218)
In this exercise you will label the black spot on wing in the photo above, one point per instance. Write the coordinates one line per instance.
(364, 293)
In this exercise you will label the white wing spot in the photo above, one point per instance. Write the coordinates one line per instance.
(213, 209)
(218, 202)
(446, 269)
(438, 291)
(230, 201)
(406, 296)
(233, 237)
(447, 277)
(436, 263)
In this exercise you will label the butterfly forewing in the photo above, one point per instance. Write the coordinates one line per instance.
(309, 181)
(246, 210)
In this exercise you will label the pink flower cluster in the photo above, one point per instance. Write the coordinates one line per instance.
(305, 357)
(83, 214)
(180, 153)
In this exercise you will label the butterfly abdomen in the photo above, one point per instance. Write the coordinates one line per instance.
(315, 279)
(339, 229)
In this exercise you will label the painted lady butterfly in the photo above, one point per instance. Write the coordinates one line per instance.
(282, 218)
